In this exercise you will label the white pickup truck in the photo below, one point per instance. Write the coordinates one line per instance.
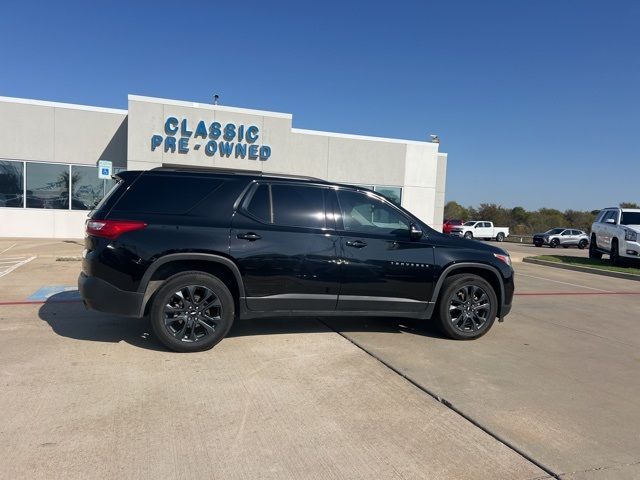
(480, 229)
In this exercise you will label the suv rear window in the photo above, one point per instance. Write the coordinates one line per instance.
(164, 194)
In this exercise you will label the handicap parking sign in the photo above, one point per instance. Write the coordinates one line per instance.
(104, 169)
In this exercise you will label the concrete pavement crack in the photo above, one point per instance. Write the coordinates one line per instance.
(448, 404)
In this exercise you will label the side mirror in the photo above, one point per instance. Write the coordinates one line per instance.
(415, 232)
(610, 220)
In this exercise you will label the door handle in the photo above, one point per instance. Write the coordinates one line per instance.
(356, 243)
(252, 237)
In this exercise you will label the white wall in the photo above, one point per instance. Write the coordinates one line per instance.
(42, 223)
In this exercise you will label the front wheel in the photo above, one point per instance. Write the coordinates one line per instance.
(500, 237)
(468, 235)
(554, 243)
(467, 306)
(614, 256)
(192, 311)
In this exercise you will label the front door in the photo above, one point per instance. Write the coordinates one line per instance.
(382, 268)
(285, 252)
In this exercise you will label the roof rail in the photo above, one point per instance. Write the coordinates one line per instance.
(230, 171)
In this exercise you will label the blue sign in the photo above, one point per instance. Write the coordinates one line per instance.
(225, 140)
(105, 168)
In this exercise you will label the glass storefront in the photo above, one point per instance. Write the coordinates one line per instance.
(51, 185)
(11, 183)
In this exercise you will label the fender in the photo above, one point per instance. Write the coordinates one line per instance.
(456, 266)
(172, 257)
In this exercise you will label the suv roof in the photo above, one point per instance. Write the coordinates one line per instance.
(244, 173)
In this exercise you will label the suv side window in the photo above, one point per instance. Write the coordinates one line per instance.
(298, 206)
(610, 214)
(362, 213)
(260, 204)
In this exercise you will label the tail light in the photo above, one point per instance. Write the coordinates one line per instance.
(505, 258)
(112, 229)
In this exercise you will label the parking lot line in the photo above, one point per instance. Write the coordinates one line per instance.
(15, 265)
(8, 248)
(574, 293)
(564, 283)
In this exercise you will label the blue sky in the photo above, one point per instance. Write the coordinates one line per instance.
(536, 102)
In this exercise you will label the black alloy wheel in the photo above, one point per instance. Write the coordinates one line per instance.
(582, 244)
(192, 311)
(467, 307)
(554, 243)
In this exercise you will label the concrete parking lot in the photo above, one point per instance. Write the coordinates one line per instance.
(552, 391)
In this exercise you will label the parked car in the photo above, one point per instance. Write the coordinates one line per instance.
(195, 249)
(615, 233)
(480, 229)
(562, 237)
(449, 224)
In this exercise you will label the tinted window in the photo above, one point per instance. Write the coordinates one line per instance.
(298, 206)
(11, 184)
(630, 218)
(610, 214)
(365, 214)
(171, 195)
(47, 185)
(260, 206)
(86, 188)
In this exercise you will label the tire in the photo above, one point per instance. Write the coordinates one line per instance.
(500, 237)
(462, 323)
(201, 328)
(538, 244)
(582, 244)
(468, 235)
(593, 252)
(554, 243)
(614, 255)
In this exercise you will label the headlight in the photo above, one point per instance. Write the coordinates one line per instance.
(630, 236)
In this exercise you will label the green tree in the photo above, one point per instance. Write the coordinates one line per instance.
(629, 205)
(455, 210)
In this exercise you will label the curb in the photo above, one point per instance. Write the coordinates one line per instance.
(579, 268)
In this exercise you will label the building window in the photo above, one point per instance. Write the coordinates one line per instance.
(47, 186)
(86, 188)
(393, 194)
(11, 184)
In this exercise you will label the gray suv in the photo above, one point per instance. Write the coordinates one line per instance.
(562, 237)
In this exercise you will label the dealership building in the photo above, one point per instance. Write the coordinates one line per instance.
(49, 154)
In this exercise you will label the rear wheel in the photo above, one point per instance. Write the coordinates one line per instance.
(593, 252)
(582, 244)
(192, 311)
(554, 243)
(500, 237)
(467, 306)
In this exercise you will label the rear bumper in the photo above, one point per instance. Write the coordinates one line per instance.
(104, 297)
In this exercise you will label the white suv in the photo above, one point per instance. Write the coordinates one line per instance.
(616, 232)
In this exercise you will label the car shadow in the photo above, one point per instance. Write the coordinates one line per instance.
(67, 317)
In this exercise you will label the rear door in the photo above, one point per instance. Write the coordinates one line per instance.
(382, 268)
(286, 251)
(483, 230)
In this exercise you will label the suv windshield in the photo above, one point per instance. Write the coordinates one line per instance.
(630, 218)
(554, 231)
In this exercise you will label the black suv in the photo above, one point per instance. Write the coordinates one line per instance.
(195, 249)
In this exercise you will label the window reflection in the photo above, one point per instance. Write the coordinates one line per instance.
(11, 184)
(47, 186)
(86, 188)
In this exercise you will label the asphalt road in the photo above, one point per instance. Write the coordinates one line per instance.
(88, 395)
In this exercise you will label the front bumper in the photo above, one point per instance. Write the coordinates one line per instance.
(104, 297)
(630, 250)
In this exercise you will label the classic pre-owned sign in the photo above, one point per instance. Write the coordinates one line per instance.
(214, 138)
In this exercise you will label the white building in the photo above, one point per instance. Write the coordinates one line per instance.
(49, 154)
